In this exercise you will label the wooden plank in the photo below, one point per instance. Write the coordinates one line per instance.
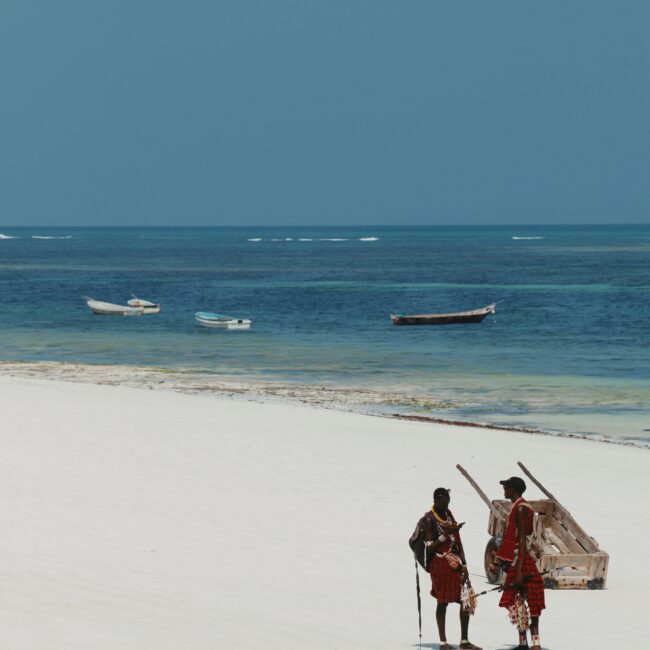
(503, 506)
(572, 571)
(571, 526)
(572, 583)
(535, 481)
(565, 538)
(541, 506)
(555, 539)
(482, 494)
(572, 560)
(549, 549)
(496, 525)
(599, 566)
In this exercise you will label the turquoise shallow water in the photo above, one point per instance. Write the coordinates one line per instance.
(567, 350)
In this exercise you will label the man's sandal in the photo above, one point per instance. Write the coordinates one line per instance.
(466, 645)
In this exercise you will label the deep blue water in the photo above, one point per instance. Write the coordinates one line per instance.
(568, 348)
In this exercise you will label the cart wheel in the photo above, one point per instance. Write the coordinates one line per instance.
(493, 571)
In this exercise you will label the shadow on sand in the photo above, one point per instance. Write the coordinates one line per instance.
(436, 646)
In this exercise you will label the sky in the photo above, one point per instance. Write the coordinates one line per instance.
(341, 112)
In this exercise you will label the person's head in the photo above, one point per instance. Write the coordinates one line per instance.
(441, 498)
(513, 487)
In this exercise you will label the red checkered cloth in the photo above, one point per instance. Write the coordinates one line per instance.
(445, 582)
(534, 587)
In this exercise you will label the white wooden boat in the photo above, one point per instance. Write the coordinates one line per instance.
(208, 319)
(109, 309)
(148, 307)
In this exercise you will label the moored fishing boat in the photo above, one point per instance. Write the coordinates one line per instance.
(148, 307)
(109, 309)
(475, 316)
(208, 319)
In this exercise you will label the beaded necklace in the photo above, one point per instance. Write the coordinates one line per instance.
(444, 522)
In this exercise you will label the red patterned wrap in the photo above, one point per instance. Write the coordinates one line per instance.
(534, 586)
(445, 581)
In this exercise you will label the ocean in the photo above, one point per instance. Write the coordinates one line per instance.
(568, 349)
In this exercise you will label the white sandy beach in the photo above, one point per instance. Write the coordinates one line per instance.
(137, 519)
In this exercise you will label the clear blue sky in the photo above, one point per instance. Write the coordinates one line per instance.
(256, 112)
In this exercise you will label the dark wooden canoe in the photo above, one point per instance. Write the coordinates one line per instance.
(475, 316)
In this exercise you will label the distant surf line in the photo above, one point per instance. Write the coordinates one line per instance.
(3, 236)
(308, 239)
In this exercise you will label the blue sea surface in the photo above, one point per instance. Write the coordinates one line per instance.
(567, 350)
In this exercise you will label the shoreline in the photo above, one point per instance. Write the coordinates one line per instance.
(371, 402)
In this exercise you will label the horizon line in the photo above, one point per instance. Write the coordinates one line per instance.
(348, 226)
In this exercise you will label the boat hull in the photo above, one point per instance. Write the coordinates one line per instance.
(475, 316)
(108, 309)
(145, 305)
(225, 325)
(117, 312)
(219, 321)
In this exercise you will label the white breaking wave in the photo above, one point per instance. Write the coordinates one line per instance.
(311, 239)
(529, 237)
(51, 237)
(7, 236)
(368, 238)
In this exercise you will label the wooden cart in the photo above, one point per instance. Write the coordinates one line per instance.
(569, 558)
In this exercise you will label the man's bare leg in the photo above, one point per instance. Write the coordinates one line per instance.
(441, 613)
(523, 641)
(464, 631)
(534, 632)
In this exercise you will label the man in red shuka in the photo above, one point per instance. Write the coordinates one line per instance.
(447, 565)
(522, 576)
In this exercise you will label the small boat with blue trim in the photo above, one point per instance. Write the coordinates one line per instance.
(208, 319)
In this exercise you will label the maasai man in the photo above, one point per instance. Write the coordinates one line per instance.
(522, 576)
(447, 566)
